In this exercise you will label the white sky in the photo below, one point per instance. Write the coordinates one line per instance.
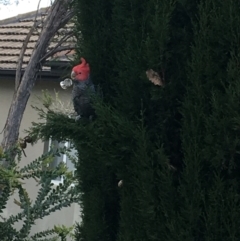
(23, 6)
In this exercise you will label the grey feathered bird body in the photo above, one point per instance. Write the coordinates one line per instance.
(82, 93)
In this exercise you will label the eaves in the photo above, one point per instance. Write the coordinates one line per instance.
(56, 72)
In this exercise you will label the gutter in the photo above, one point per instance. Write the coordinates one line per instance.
(57, 72)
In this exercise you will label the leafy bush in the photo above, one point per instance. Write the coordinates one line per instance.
(49, 199)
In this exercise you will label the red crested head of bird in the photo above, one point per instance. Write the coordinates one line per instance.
(81, 71)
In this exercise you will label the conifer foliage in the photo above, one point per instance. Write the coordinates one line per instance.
(174, 147)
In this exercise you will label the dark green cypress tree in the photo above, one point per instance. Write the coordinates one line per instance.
(126, 141)
(175, 147)
(136, 135)
(98, 181)
(210, 184)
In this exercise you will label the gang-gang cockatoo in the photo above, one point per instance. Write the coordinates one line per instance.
(83, 89)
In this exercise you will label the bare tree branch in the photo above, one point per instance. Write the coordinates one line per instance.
(57, 17)
(68, 16)
(23, 49)
(21, 55)
(55, 49)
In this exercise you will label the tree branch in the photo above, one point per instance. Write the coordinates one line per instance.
(55, 49)
(57, 17)
(68, 16)
(23, 49)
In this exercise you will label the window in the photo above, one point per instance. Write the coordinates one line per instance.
(62, 158)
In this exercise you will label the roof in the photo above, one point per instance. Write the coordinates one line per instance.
(13, 32)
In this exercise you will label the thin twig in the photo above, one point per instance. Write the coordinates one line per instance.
(56, 50)
(68, 16)
(58, 47)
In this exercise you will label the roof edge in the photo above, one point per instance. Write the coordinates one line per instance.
(19, 17)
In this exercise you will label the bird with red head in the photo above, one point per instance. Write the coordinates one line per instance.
(83, 90)
(81, 71)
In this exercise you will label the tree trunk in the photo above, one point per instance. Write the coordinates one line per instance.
(59, 14)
